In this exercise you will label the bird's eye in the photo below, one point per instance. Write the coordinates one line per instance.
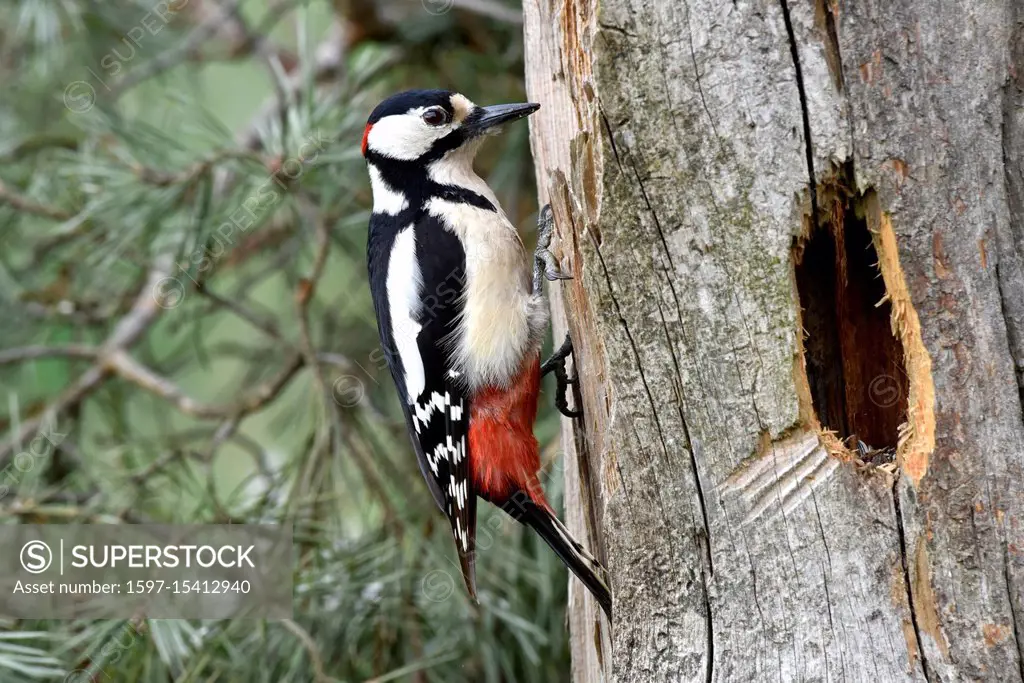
(435, 117)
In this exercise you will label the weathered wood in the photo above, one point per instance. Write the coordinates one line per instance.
(686, 147)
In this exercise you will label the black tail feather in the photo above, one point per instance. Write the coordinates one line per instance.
(467, 556)
(575, 556)
(468, 563)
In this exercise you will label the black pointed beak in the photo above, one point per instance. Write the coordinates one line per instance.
(485, 118)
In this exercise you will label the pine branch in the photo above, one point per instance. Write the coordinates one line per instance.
(38, 143)
(26, 205)
(125, 333)
(158, 174)
(176, 55)
(319, 676)
(126, 367)
(27, 353)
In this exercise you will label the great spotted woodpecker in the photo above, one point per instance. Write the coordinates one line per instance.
(460, 321)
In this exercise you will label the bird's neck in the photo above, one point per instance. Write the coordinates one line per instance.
(455, 170)
(403, 186)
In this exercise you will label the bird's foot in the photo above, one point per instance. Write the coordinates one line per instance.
(556, 364)
(544, 262)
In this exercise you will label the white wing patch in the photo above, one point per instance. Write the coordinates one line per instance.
(436, 407)
(422, 410)
(403, 284)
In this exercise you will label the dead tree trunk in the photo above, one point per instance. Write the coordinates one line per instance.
(794, 226)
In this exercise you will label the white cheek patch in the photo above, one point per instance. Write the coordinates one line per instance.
(386, 199)
(403, 286)
(404, 136)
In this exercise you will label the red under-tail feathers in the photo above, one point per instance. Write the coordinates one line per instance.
(504, 462)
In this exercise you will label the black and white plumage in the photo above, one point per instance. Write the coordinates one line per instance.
(407, 251)
(459, 318)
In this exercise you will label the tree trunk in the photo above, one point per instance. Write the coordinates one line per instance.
(796, 234)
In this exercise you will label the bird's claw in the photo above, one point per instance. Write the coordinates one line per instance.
(557, 358)
(545, 226)
(556, 364)
(543, 260)
(551, 270)
(544, 263)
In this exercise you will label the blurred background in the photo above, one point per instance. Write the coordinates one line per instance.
(186, 333)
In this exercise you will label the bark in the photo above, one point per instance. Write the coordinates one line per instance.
(793, 225)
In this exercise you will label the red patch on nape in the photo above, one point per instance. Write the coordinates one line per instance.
(366, 136)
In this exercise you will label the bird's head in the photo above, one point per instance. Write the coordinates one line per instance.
(425, 125)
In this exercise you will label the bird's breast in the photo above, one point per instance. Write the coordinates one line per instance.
(497, 328)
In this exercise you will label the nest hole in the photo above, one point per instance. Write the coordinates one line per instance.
(854, 362)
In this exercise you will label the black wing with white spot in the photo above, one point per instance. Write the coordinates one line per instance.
(440, 414)
(440, 417)
(418, 352)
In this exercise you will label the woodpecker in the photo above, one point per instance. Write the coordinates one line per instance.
(460, 320)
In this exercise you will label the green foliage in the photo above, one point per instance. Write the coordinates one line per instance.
(182, 233)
